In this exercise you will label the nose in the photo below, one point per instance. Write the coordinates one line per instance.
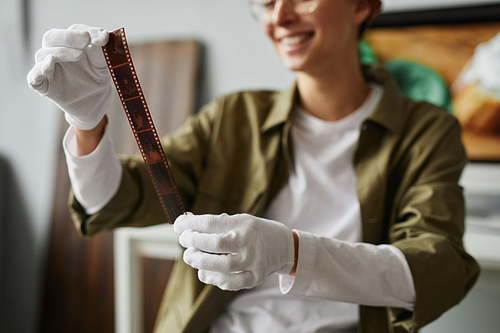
(283, 13)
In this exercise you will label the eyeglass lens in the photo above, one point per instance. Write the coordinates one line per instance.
(262, 10)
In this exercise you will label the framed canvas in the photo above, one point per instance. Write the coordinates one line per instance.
(451, 54)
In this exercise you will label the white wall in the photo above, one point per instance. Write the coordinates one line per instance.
(27, 147)
(237, 56)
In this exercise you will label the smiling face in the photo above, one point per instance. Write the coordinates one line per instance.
(318, 41)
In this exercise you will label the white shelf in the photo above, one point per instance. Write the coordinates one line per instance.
(481, 182)
(481, 179)
(484, 248)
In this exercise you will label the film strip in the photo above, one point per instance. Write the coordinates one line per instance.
(122, 71)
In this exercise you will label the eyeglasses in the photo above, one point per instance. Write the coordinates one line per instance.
(262, 10)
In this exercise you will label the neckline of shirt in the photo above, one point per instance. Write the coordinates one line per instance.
(305, 120)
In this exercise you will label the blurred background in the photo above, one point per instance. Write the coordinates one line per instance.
(235, 55)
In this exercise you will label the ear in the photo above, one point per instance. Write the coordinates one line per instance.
(365, 11)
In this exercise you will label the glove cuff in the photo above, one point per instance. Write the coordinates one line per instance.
(289, 254)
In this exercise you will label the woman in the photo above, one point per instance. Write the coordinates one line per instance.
(344, 210)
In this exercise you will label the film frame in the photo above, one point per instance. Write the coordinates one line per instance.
(121, 68)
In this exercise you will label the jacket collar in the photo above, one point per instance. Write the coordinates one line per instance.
(388, 112)
(283, 104)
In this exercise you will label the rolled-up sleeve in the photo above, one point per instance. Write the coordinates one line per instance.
(429, 213)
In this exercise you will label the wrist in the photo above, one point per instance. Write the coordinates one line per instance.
(88, 140)
(296, 252)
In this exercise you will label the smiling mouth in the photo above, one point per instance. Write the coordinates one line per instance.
(295, 40)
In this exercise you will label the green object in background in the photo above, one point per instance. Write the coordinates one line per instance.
(420, 83)
(415, 80)
(366, 54)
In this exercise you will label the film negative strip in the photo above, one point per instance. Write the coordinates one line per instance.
(122, 71)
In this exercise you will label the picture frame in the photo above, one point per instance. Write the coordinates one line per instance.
(443, 43)
(471, 13)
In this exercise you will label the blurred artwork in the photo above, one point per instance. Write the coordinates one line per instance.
(467, 59)
(477, 90)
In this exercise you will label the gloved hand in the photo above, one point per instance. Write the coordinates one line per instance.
(71, 70)
(235, 252)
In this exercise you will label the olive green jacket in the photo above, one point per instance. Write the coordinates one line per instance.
(234, 156)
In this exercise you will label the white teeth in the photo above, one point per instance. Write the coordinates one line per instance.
(292, 40)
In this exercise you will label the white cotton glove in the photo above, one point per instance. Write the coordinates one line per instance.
(235, 252)
(70, 69)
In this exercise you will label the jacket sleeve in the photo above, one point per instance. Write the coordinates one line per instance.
(136, 202)
(429, 224)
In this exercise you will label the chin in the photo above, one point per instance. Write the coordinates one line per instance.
(293, 65)
(298, 62)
